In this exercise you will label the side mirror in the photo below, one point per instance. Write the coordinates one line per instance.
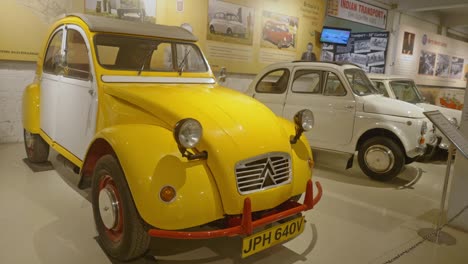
(222, 74)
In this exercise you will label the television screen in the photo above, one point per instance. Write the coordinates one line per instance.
(339, 36)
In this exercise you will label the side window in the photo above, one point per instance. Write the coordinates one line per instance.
(334, 87)
(381, 88)
(107, 55)
(77, 56)
(161, 60)
(189, 58)
(274, 82)
(53, 55)
(306, 81)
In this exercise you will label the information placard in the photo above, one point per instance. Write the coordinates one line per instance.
(449, 130)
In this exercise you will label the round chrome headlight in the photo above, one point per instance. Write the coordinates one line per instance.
(453, 121)
(304, 119)
(188, 132)
(424, 128)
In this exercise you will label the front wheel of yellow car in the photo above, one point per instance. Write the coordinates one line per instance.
(122, 232)
(37, 150)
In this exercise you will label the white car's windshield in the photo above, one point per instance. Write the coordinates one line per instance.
(406, 91)
(117, 52)
(360, 84)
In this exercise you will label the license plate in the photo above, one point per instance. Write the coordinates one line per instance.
(272, 236)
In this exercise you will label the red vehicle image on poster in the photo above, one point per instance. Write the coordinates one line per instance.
(278, 34)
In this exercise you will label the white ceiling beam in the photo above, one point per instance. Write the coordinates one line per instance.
(454, 21)
(427, 5)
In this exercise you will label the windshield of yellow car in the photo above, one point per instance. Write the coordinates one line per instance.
(360, 84)
(117, 52)
(406, 91)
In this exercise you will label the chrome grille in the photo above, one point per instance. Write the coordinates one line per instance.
(263, 172)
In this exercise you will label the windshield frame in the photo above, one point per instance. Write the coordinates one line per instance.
(372, 90)
(414, 87)
(155, 42)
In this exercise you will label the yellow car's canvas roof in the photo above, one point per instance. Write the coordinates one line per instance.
(111, 25)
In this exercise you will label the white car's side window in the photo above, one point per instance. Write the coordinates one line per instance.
(381, 87)
(274, 82)
(306, 81)
(53, 62)
(334, 87)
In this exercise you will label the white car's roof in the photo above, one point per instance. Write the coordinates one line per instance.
(375, 76)
(325, 64)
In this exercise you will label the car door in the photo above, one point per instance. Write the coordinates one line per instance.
(324, 93)
(271, 89)
(76, 106)
(52, 71)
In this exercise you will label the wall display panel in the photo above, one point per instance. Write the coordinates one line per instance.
(368, 50)
(431, 59)
(24, 23)
(243, 36)
(132, 10)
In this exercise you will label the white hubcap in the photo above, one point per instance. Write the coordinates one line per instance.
(379, 158)
(108, 207)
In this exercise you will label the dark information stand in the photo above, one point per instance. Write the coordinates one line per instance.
(457, 141)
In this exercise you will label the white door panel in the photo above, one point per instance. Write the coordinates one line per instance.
(49, 99)
(273, 101)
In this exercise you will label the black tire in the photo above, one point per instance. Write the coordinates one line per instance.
(212, 30)
(229, 32)
(381, 171)
(128, 239)
(37, 150)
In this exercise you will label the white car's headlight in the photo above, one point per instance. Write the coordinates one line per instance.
(304, 119)
(188, 132)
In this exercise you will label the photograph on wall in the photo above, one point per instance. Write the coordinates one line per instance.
(228, 22)
(326, 46)
(465, 74)
(376, 58)
(133, 10)
(343, 57)
(368, 50)
(442, 65)
(362, 46)
(278, 31)
(456, 68)
(408, 43)
(378, 43)
(380, 70)
(426, 63)
(326, 55)
(359, 59)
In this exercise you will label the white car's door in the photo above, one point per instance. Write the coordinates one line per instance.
(271, 89)
(76, 106)
(324, 93)
(50, 80)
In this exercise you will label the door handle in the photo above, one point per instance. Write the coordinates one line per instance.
(349, 107)
(91, 92)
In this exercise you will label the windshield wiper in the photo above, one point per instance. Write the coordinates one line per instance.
(143, 63)
(181, 65)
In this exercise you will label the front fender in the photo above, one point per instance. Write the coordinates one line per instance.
(151, 160)
(409, 135)
(30, 108)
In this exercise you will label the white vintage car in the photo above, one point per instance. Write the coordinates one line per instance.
(349, 114)
(404, 88)
(227, 23)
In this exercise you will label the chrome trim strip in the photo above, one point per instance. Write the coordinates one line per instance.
(153, 79)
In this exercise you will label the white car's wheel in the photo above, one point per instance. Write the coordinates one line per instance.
(381, 158)
(212, 30)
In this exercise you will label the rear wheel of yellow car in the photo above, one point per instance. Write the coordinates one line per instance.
(122, 233)
(37, 150)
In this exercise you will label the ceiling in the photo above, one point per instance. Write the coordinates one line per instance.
(453, 13)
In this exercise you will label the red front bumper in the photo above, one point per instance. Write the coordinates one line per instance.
(247, 225)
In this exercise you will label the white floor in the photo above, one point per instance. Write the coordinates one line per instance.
(46, 219)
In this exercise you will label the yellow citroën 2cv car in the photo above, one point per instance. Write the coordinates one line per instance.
(137, 111)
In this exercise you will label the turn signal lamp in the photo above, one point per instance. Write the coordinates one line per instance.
(167, 194)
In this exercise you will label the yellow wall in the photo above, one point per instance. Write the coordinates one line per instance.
(23, 25)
